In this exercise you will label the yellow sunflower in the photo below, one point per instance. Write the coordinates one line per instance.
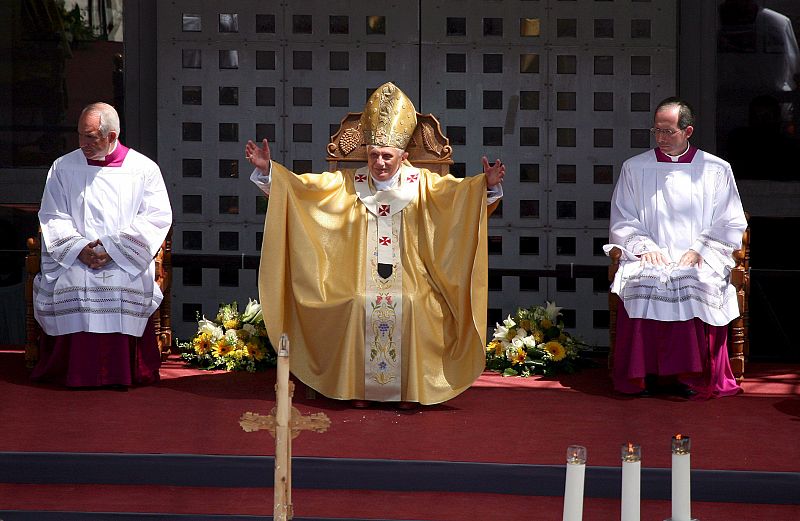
(254, 351)
(222, 348)
(201, 343)
(495, 348)
(231, 324)
(517, 355)
(556, 350)
(546, 323)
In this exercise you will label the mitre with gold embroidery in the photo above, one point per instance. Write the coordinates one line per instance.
(389, 118)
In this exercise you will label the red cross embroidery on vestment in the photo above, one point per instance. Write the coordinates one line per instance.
(360, 178)
(385, 241)
(411, 178)
(383, 209)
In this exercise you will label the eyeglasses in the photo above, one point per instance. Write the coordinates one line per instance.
(666, 132)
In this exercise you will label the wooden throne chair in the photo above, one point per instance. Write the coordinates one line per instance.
(738, 334)
(162, 317)
(428, 148)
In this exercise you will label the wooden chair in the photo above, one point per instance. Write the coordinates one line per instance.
(738, 336)
(429, 147)
(162, 317)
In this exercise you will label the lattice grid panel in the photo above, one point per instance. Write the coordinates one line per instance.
(562, 91)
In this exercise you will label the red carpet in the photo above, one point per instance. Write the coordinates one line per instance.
(504, 420)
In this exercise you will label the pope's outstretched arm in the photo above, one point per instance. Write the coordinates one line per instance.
(494, 182)
(494, 172)
(260, 158)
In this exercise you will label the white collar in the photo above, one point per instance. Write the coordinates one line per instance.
(387, 202)
(677, 158)
(389, 183)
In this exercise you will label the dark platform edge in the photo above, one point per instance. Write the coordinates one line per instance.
(375, 474)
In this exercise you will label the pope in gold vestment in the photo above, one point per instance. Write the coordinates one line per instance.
(378, 275)
(314, 268)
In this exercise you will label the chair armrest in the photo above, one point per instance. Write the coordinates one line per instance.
(33, 265)
(614, 255)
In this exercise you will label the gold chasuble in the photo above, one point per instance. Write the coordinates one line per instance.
(416, 333)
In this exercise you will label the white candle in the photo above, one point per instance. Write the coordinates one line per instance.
(681, 480)
(631, 481)
(573, 486)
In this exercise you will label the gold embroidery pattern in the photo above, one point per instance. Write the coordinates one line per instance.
(389, 118)
(384, 354)
(383, 351)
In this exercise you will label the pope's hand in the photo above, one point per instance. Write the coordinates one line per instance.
(258, 157)
(494, 173)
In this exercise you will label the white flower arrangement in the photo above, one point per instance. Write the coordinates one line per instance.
(533, 342)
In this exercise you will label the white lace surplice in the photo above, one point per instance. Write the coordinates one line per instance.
(674, 207)
(128, 209)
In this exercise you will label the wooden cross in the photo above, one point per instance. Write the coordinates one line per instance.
(284, 423)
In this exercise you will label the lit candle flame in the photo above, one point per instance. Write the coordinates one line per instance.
(630, 452)
(680, 444)
(576, 455)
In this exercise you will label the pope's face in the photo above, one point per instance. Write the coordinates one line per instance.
(92, 142)
(383, 162)
(671, 139)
